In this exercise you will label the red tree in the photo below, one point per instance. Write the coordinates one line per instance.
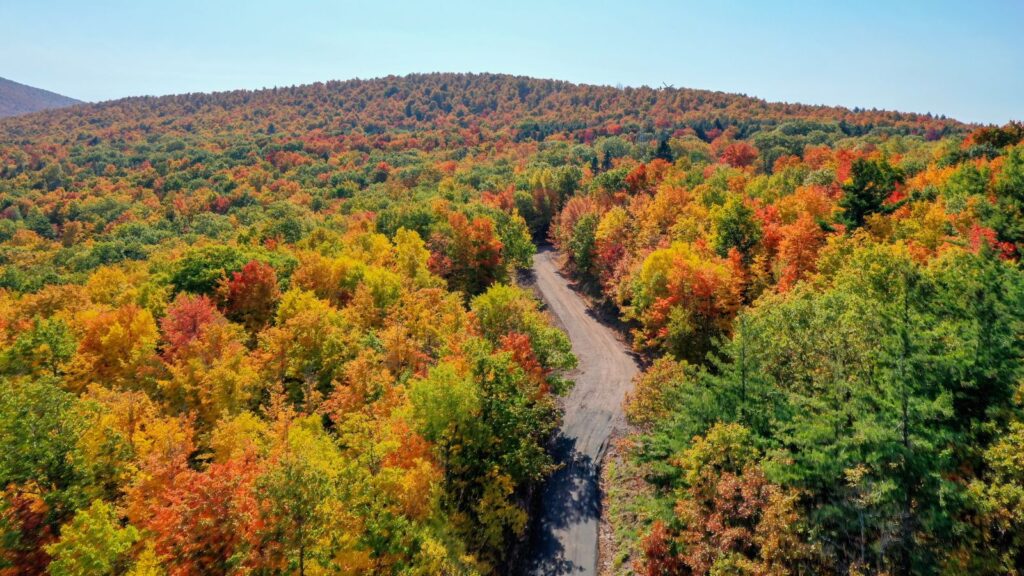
(471, 258)
(798, 250)
(186, 318)
(250, 296)
(24, 513)
(659, 557)
(206, 522)
(738, 154)
(636, 181)
(522, 352)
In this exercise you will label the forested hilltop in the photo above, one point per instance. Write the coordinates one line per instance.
(460, 110)
(275, 332)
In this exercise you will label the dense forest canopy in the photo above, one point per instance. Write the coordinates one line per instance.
(278, 331)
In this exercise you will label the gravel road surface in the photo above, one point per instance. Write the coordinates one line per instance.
(564, 537)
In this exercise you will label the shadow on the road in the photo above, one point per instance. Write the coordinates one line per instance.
(526, 277)
(570, 498)
(566, 514)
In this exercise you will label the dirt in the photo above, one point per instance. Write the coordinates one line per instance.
(564, 538)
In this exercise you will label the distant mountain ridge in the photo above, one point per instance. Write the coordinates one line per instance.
(16, 99)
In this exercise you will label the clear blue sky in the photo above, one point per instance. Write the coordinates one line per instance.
(962, 58)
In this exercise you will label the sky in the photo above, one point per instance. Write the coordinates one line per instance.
(959, 58)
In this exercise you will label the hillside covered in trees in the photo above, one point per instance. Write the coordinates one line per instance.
(277, 332)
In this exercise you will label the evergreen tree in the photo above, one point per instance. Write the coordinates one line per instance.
(870, 184)
(664, 151)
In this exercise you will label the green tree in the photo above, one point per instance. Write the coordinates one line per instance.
(517, 245)
(981, 299)
(581, 243)
(40, 427)
(200, 271)
(444, 402)
(41, 468)
(297, 492)
(93, 543)
(1010, 181)
(41, 350)
(1008, 218)
(870, 184)
(503, 310)
(998, 498)
(736, 227)
(871, 393)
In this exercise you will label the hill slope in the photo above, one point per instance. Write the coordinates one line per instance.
(18, 99)
(476, 106)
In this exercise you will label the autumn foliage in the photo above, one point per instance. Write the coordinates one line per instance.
(277, 332)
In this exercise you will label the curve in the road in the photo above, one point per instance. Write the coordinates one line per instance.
(565, 534)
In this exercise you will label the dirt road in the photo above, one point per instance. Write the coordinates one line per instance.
(564, 538)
